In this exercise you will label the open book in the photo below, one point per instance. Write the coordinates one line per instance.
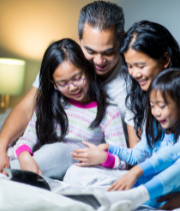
(89, 195)
(92, 196)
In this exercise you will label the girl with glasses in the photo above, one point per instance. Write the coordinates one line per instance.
(71, 108)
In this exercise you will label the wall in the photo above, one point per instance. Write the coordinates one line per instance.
(165, 12)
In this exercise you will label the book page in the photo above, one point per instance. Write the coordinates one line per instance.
(55, 185)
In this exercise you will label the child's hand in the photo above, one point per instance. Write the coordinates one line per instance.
(89, 156)
(103, 147)
(128, 180)
(28, 163)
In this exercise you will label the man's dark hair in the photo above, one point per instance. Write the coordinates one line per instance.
(102, 15)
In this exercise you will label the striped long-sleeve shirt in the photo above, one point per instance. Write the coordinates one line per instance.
(80, 116)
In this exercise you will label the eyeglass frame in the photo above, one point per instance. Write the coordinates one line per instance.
(67, 85)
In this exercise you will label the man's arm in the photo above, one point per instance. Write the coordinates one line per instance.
(16, 123)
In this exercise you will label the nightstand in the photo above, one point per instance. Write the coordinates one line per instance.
(3, 116)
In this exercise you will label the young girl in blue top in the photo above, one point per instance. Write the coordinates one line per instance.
(158, 152)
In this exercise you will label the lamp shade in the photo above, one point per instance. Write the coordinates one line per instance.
(12, 72)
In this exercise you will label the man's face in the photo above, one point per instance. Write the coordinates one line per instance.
(100, 48)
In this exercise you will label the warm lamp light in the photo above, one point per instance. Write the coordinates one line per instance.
(12, 72)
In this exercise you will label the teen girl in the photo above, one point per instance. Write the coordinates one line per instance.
(160, 143)
(71, 108)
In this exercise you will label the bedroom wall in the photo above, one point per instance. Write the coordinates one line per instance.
(165, 12)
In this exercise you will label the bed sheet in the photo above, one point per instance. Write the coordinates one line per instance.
(20, 197)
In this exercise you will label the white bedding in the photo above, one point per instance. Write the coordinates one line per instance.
(20, 197)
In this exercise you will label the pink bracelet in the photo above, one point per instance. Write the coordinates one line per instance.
(110, 161)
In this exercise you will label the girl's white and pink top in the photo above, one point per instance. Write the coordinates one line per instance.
(80, 116)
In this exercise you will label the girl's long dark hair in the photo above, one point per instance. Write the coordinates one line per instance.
(153, 40)
(168, 83)
(50, 110)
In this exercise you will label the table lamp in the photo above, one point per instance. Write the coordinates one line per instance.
(12, 72)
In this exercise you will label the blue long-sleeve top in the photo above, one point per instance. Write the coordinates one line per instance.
(163, 161)
(165, 181)
(164, 169)
(165, 157)
(165, 165)
(142, 151)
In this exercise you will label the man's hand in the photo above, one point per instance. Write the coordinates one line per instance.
(28, 163)
(128, 180)
(103, 147)
(89, 156)
(173, 201)
(4, 162)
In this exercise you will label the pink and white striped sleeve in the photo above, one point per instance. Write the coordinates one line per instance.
(29, 139)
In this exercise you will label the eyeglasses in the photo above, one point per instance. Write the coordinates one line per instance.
(76, 83)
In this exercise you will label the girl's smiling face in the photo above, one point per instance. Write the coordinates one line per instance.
(66, 73)
(167, 113)
(144, 68)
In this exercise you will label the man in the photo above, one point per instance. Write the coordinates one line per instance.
(100, 30)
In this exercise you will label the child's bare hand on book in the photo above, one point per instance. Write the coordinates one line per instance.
(92, 155)
(128, 180)
(28, 163)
